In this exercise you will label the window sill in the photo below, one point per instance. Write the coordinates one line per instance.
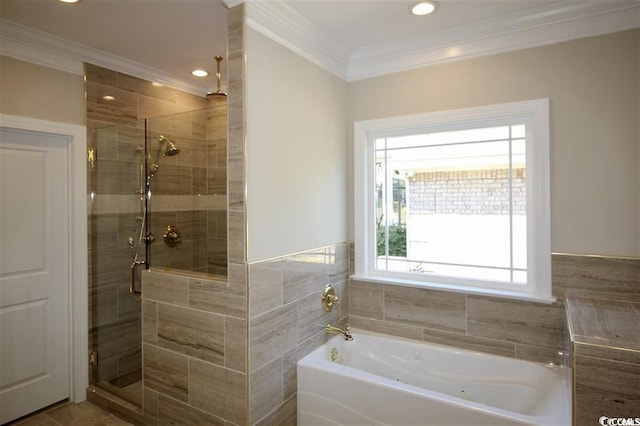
(504, 294)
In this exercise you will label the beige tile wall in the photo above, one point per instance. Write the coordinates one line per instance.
(194, 353)
(527, 330)
(603, 296)
(604, 387)
(287, 322)
(600, 277)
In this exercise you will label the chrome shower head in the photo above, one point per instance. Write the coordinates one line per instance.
(171, 147)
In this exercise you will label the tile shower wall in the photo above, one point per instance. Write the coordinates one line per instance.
(113, 206)
(195, 330)
(194, 337)
(287, 322)
(189, 189)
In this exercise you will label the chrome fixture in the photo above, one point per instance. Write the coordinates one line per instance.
(171, 147)
(217, 94)
(346, 333)
(329, 298)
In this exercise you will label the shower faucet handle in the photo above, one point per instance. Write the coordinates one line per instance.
(172, 236)
(329, 298)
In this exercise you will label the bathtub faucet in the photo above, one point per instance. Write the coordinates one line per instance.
(346, 333)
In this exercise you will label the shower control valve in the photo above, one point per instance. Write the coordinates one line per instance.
(329, 298)
(172, 236)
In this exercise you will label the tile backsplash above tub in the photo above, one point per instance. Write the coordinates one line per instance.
(527, 330)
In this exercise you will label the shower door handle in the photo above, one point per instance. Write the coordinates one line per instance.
(134, 270)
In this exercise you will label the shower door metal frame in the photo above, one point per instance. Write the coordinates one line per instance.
(144, 237)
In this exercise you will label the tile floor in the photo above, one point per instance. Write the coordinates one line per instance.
(70, 414)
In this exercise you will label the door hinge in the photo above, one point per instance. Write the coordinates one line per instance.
(93, 358)
(92, 157)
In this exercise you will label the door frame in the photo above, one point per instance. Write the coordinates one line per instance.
(76, 136)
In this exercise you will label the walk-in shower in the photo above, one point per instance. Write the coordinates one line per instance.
(157, 200)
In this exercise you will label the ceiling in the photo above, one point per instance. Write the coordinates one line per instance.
(173, 37)
(359, 23)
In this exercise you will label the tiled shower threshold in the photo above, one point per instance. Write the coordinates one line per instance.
(115, 405)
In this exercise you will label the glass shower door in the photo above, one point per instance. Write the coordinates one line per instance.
(116, 226)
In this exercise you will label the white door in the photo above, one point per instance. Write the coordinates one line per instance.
(34, 271)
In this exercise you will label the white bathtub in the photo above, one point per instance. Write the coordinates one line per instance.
(382, 380)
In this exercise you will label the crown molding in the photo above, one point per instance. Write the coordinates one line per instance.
(539, 26)
(281, 23)
(41, 48)
(26, 44)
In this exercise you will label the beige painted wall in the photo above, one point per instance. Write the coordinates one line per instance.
(33, 91)
(296, 149)
(593, 86)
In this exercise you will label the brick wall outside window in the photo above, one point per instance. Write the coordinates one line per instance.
(470, 192)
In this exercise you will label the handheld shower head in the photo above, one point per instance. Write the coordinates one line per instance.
(171, 147)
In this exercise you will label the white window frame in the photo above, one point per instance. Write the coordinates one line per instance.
(535, 115)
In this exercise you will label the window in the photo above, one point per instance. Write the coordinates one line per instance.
(457, 200)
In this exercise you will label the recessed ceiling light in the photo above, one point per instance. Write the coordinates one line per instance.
(70, 1)
(156, 84)
(424, 8)
(109, 98)
(200, 73)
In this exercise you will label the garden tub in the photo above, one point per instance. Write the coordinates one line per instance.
(382, 380)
